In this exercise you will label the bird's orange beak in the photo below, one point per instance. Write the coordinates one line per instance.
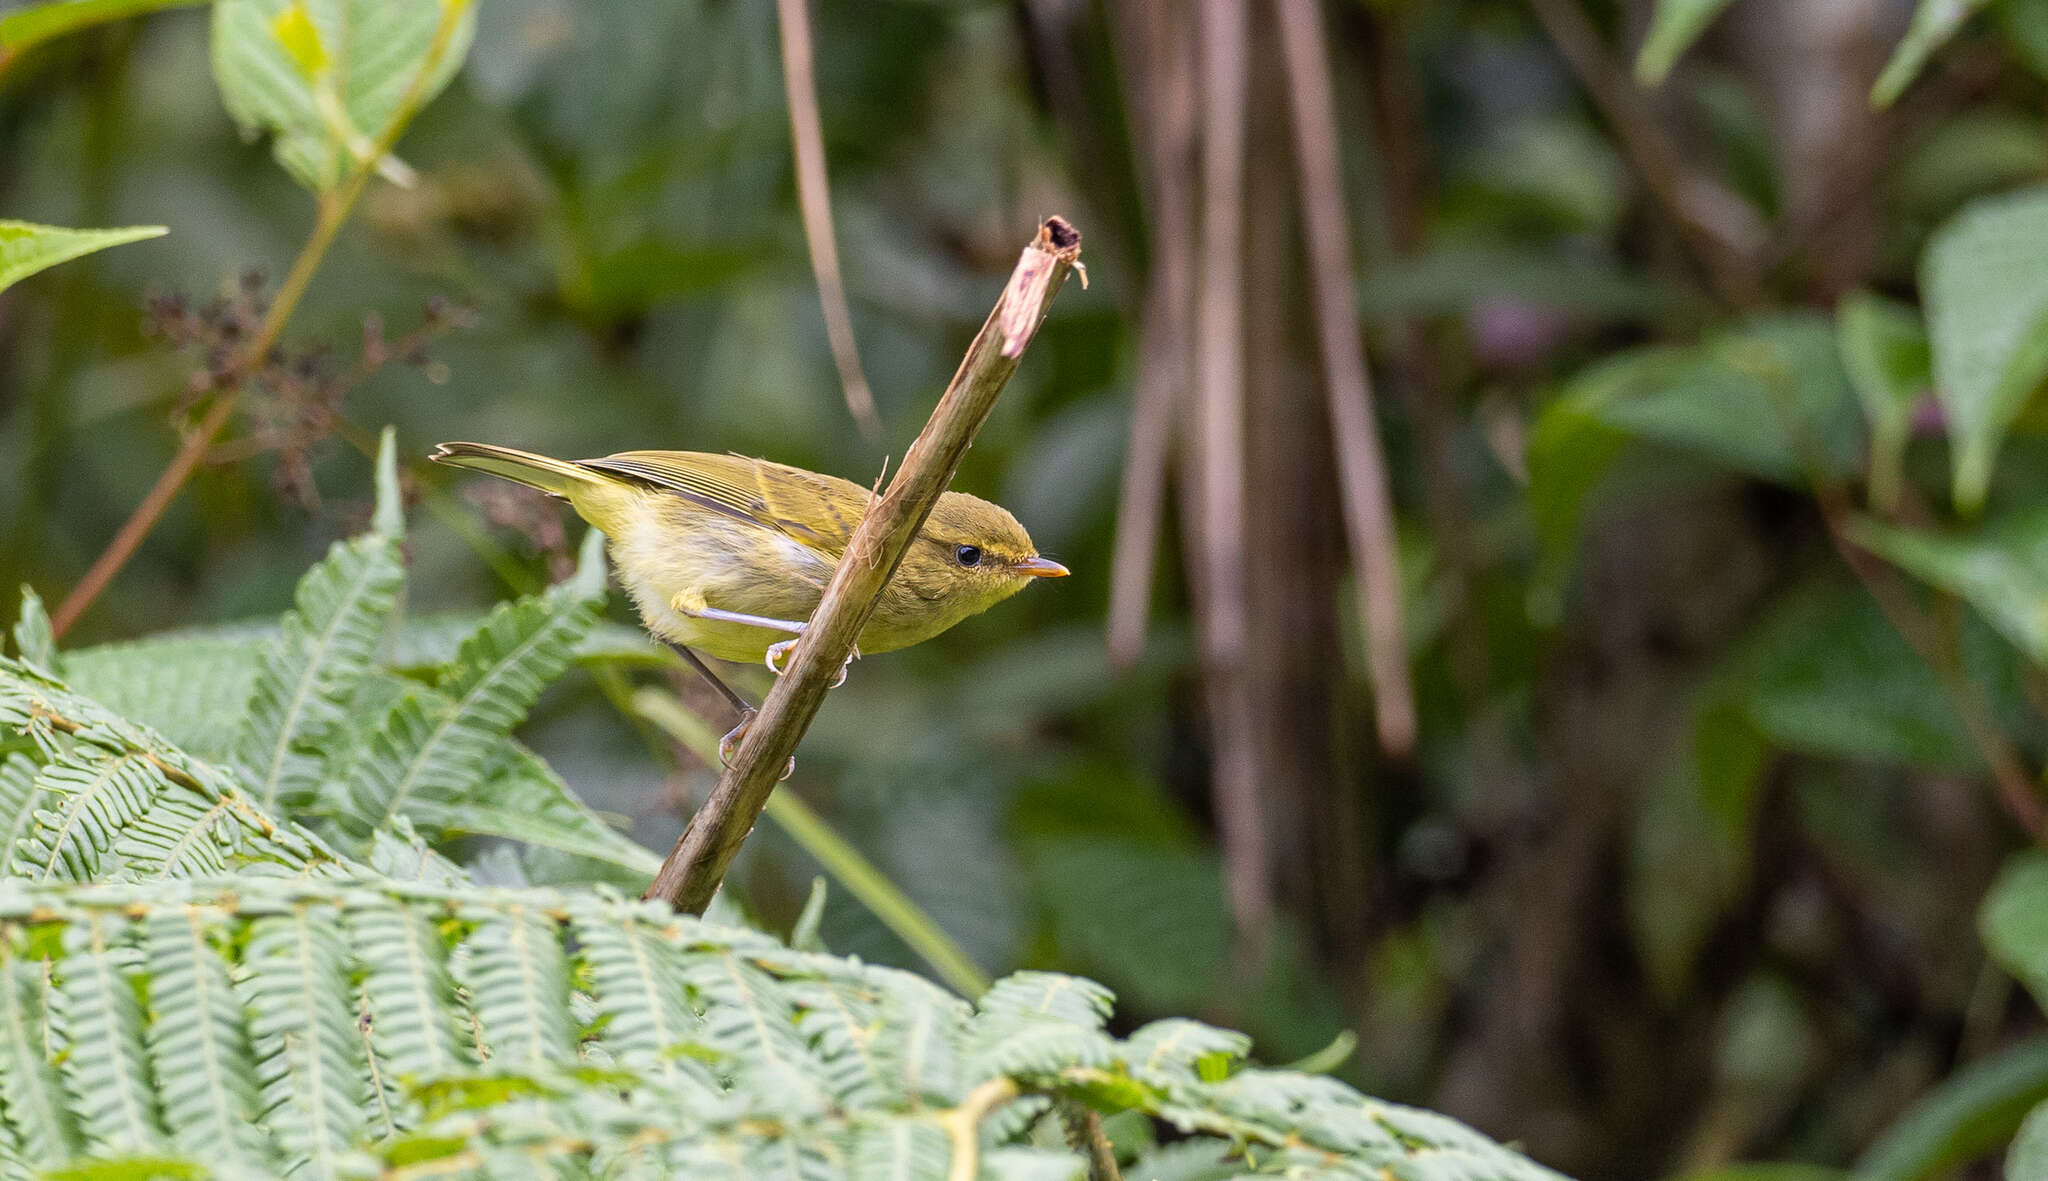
(1037, 567)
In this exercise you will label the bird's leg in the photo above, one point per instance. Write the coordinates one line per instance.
(704, 670)
(730, 744)
(696, 607)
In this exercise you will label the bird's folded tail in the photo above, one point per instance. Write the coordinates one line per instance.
(558, 477)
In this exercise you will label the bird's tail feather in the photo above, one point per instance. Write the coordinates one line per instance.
(557, 477)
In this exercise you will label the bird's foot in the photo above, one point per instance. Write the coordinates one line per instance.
(780, 649)
(729, 746)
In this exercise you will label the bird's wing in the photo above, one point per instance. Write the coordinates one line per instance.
(819, 511)
(822, 511)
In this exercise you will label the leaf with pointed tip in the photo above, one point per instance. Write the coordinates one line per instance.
(26, 248)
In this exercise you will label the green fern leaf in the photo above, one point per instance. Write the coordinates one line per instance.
(434, 745)
(1071, 999)
(182, 836)
(200, 1051)
(1037, 1164)
(81, 820)
(1174, 1046)
(755, 1024)
(903, 1149)
(19, 800)
(416, 1029)
(176, 684)
(637, 983)
(34, 641)
(98, 1017)
(517, 976)
(30, 1094)
(94, 795)
(522, 799)
(326, 646)
(303, 1026)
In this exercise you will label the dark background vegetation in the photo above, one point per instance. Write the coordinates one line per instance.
(1683, 865)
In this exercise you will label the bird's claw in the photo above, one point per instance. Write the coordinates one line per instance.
(729, 746)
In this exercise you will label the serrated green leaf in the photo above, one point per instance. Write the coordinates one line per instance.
(205, 1071)
(333, 80)
(304, 1028)
(1984, 279)
(31, 1099)
(26, 248)
(97, 1015)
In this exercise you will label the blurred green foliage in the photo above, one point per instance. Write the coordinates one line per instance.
(1727, 612)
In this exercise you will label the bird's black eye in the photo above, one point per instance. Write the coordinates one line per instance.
(968, 555)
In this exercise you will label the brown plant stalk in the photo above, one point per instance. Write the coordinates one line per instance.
(1361, 464)
(692, 872)
(814, 200)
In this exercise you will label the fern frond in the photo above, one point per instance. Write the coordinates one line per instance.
(902, 1149)
(415, 1028)
(1036, 1164)
(1071, 999)
(1174, 1046)
(636, 981)
(45, 1132)
(93, 794)
(517, 976)
(341, 979)
(154, 797)
(184, 685)
(98, 1016)
(434, 745)
(200, 1051)
(754, 1023)
(522, 799)
(326, 646)
(34, 640)
(19, 800)
(302, 1024)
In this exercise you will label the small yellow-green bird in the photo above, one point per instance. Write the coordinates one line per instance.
(729, 556)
